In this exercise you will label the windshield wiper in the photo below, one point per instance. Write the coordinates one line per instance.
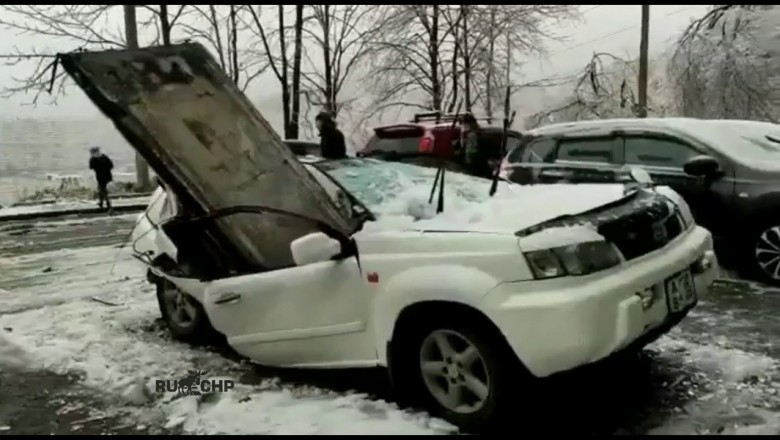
(439, 179)
(508, 119)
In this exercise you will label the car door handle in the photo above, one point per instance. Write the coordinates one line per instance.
(228, 298)
(553, 173)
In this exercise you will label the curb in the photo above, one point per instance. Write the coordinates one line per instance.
(65, 212)
(54, 200)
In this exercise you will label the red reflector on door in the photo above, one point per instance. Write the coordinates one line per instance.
(372, 277)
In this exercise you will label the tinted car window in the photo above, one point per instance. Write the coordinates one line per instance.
(303, 148)
(512, 142)
(657, 152)
(541, 150)
(587, 150)
(491, 140)
(397, 139)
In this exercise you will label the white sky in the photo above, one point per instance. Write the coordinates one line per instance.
(609, 28)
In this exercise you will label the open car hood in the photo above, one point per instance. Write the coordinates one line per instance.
(211, 147)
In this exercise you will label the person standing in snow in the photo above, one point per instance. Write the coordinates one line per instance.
(102, 166)
(471, 149)
(332, 145)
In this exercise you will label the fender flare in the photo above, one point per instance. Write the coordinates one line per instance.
(450, 283)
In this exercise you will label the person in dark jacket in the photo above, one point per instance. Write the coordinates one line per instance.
(332, 145)
(102, 166)
(472, 151)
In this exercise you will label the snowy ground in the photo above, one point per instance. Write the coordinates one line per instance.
(81, 344)
(72, 205)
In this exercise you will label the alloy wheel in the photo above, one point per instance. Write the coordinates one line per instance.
(454, 371)
(179, 306)
(767, 252)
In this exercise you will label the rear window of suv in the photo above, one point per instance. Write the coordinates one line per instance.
(405, 139)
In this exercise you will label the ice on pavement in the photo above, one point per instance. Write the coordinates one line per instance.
(69, 332)
(11, 353)
(56, 325)
(49, 320)
(67, 206)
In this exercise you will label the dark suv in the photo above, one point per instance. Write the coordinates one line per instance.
(728, 171)
(428, 138)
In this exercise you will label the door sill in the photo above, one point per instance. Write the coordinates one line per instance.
(304, 333)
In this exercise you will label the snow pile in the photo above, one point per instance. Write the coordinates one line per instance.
(731, 364)
(106, 343)
(11, 352)
(737, 391)
(398, 194)
(287, 412)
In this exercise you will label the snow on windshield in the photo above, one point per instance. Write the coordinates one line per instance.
(398, 194)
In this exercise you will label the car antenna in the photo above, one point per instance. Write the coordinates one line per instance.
(508, 119)
(439, 179)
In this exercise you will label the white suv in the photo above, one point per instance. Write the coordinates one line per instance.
(345, 263)
(551, 277)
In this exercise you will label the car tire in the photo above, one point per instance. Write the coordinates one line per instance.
(764, 254)
(184, 316)
(422, 375)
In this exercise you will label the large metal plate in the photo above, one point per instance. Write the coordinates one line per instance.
(206, 140)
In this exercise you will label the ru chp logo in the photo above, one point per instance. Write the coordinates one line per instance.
(194, 384)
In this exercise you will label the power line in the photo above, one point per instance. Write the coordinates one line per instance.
(590, 9)
(617, 32)
(603, 37)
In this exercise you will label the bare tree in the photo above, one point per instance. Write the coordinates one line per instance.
(295, 121)
(74, 27)
(722, 65)
(79, 25)
(223, 29)
(493, 36)
(407, 60)
(279, 60)
(162, 21)
(602, 89)
(342, 35)
(477, 41)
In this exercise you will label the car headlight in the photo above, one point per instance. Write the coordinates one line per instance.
(576, 259)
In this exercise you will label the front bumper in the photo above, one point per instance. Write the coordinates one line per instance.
(560, 324)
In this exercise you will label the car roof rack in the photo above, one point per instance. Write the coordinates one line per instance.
(447, 117)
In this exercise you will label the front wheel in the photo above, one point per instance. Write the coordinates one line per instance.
(765, 254)
(183, 315)
(461, 374)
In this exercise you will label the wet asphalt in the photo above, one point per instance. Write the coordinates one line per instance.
(624, 396)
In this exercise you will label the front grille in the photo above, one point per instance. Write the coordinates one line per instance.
(638, 224)
(645, 230)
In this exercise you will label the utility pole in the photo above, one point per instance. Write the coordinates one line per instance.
(131, 36)
(643, 61)
(508, 97)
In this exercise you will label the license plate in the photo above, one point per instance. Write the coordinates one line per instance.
(680, 291)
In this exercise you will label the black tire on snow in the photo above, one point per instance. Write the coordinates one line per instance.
(504, 369)
(200, 332)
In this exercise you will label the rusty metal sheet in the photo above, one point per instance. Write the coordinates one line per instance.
(207, 141)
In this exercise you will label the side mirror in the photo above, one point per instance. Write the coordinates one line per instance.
(641, 176)
(702, 166)
(314, 248)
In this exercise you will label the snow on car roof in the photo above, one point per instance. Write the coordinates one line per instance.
(748, 142)
(687, 125)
